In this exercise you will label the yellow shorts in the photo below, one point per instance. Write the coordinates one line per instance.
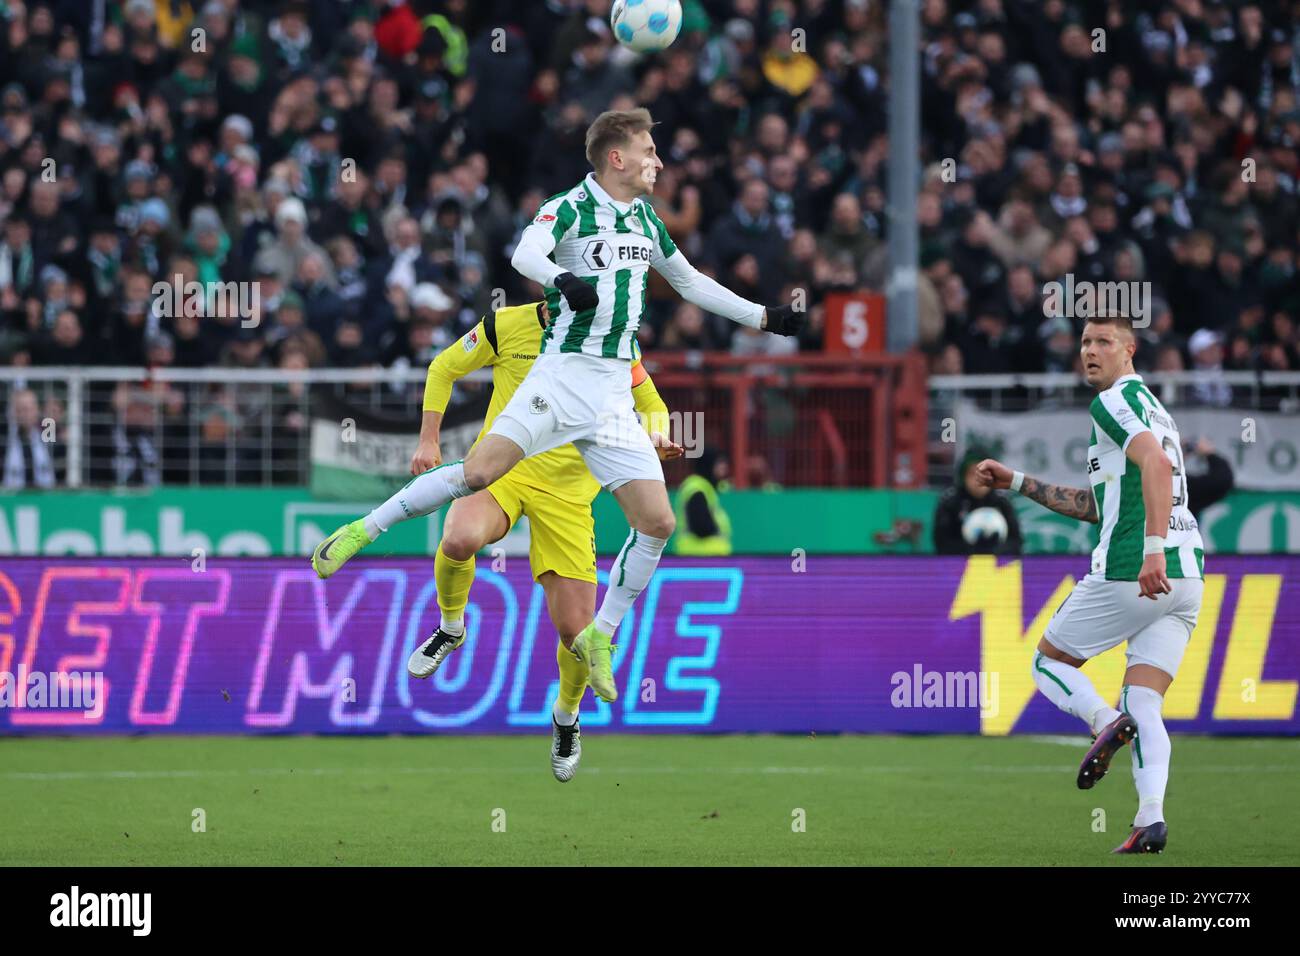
(562, 533)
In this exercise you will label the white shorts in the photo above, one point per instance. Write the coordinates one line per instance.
(1101, 614)
(586, 400)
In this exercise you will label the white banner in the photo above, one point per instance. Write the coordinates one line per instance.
(358, 456)
(1052, 444)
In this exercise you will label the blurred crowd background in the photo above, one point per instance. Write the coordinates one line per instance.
(370, 165)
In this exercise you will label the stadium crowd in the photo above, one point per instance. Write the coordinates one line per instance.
(370, 165)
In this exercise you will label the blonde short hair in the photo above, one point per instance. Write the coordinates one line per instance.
(614, 128)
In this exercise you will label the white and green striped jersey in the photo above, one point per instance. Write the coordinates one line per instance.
(611, 245)
(1120, 413)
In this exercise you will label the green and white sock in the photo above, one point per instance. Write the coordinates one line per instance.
(1151, 752)
(632, 570)
(422, 495)
(1070, 689)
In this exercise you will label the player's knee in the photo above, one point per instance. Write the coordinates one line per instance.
(569, 624)
(460, 545)
(477, 474)
(658, 525)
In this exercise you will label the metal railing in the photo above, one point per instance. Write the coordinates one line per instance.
(794, 420)
(791, 420)
(116, 426)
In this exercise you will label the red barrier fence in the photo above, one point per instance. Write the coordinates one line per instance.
(828, 421)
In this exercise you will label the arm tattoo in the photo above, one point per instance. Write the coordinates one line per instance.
(1071, 502)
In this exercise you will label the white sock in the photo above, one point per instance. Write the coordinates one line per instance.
(422, 495)
(1151, 752)
(1070, 689)
(628, 577)
(563, 717)
(456, 626)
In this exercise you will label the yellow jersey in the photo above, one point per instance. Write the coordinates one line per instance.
(508, 340)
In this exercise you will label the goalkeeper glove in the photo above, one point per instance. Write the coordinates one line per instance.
(784, 320)
(580, 295)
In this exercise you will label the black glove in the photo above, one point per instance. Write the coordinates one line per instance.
(580, 295)
(784, 320)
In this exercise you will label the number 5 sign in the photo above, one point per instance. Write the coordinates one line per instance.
(855, 322)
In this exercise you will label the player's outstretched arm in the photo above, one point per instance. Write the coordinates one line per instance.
(472, 351)
(1071, 502)
(707, 293)
(1075, 503)
(711, 296)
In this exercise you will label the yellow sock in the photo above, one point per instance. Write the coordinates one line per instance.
(453, 579)
(573, 679)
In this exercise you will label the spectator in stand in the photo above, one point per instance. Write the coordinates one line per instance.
(688, 330)
(208, 244)
(34, 457)
(18, 264)
(972, 258)
(1058, 346)
(847, 235)
(292, 245)
(1206, 349)
(989, 348)
(1018, 238)
(288, 319)
(1209, 474)
(432, 311)
(348, 264)
(136, 459)
(64, 343)
(351, 214)
(749, 230)
(316, 294)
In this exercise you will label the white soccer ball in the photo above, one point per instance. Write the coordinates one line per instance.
(646, 25)
(984, 526)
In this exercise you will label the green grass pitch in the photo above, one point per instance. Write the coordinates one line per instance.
(693, 800)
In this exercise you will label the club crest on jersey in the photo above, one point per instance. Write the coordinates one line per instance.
(538, 405)
(470, 341)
